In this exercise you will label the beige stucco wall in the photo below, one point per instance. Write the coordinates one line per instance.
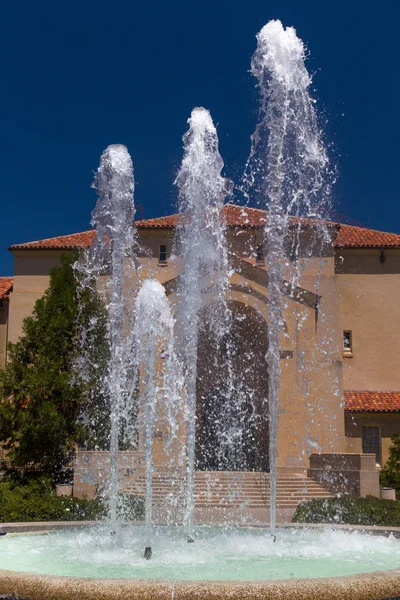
(311, 388)
(369, 293)
(31, 279)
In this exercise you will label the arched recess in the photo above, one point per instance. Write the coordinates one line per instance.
(232, 431)
(242, 293)
(232, 392)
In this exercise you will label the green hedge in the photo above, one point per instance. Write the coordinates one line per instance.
(390, 474)
(36, 501)
(349, 511)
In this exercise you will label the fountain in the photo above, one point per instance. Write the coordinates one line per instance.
(292, 162)
(112, 252)
(153, 327)
(202, 247)
(289, 165)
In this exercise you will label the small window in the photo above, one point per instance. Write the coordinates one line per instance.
(162, 257)
(371, 442)
(347, 343)
(260, 254)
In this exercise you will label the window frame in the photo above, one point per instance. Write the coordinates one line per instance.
(347, 350)
(162, 253)
(260, 254)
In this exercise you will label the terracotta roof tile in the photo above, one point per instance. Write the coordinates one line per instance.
(236, 216)
(360, 237)
(65, 242)
(6, 284)
(169, 222)
(243, 216)
(367, 401)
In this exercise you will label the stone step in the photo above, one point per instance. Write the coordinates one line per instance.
(280, 485)
(244, 490)
(232, 489)
(305, 482)
(300, 485)
(235, 489)
(249, 481)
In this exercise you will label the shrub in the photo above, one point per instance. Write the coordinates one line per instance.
(44, 400)
(130, 508)
(350, 511)
(390, 474)
(35, 500)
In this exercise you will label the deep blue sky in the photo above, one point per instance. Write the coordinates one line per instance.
(77, 76)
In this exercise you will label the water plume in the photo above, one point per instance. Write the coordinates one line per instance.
(153, 332)
(201, 246)
(290, 163)
(109, 264)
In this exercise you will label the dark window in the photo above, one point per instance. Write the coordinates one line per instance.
(347, 341)
(260, 254)
(371, 442)
(162, 258)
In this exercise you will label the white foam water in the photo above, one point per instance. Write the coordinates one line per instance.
(201, 246)
(109, 264)
(290, 162)
(159, 392)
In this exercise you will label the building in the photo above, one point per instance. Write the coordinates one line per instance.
(340, 386)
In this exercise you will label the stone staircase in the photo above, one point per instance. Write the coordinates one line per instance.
(225, 489)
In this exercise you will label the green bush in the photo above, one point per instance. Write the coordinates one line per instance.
(41, 403)
(130, 508)
(390, 474)
(35, 500)
(349, 511)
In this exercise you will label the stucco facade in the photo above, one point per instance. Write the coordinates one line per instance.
(352, 286)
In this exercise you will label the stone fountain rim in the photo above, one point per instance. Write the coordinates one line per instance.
(32, 586)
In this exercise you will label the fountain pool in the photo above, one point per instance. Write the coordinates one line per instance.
(245, 554)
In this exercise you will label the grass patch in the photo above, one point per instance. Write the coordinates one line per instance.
(349, 511)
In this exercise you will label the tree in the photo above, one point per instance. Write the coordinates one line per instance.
(390, 474)
(42, 402)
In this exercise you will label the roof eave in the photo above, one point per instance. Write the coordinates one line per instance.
(371, 410)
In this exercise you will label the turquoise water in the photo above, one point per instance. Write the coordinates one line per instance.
(217, 554)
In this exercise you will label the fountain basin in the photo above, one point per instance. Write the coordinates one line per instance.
(239, 563)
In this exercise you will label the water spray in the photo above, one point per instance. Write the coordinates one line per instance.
(291, 161)
(202, 248)
(107, 257)
(153, 329)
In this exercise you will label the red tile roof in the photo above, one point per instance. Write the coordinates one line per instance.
(64, 242)
(169, 222)
(360, 237)
(6, 284)
(366, 401)
(235, 216)
(348, 236)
